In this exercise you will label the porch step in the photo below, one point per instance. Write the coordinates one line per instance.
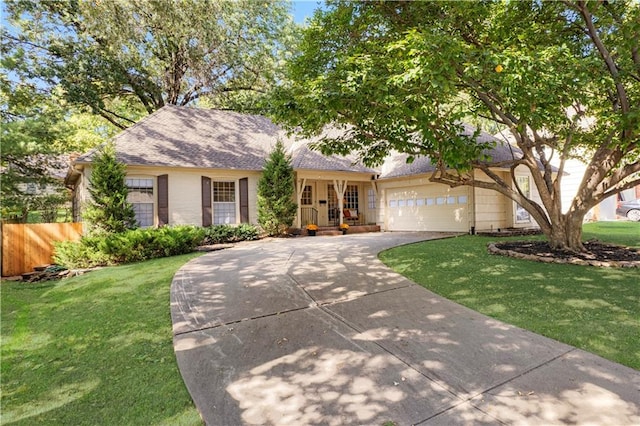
(334, 230)
(322, 232)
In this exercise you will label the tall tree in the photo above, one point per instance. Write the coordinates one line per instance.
(149, 52)
(562, 78)
(30, 161)
(39, 130)
(109, 211)
(276, 208)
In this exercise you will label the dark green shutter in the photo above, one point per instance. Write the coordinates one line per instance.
(244, 200)
(163, 200)
(206, 201)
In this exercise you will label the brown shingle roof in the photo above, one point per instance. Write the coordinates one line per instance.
(305, 158)
(202, 138)
(396, 164)
(191, 137)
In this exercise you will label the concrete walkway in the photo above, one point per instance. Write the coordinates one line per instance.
(317, 331)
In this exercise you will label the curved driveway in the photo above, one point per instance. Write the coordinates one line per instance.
(317, 331)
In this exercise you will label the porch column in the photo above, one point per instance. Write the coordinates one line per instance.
(300, 188)
(340, 186)
(376, 205)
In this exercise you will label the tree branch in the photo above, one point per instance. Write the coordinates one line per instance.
(605, 54)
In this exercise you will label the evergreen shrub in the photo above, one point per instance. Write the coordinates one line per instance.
(146, 243)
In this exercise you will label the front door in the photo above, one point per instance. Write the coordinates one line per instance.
(307, 204)
(333, 210)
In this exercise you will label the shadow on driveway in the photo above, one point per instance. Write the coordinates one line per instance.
(310, 331)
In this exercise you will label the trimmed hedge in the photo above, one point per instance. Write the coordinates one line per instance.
(218, 234)
(143, 244)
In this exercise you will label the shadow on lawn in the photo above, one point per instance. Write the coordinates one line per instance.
(95, 349)
(596, 309)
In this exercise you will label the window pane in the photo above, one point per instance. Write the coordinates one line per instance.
(307, 196)
(224, 213)
(523, 216)
(451, 199)
(351, 197)
(224, 203)
(141, 197)
(144, 214)
(462, 199)
(371, 199)
(224, 192)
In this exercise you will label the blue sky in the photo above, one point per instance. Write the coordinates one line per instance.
(303, 9)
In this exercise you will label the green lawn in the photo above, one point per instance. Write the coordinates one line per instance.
(595, 309)
(95, 349)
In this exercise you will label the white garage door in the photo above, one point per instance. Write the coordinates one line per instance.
(428, 208)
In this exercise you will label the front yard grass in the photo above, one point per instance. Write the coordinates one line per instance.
(94, 349)
(595, 309)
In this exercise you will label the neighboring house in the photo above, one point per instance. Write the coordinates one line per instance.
(574, 173)
(34, 184)
(201, 167)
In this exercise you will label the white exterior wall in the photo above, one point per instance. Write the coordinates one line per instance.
(185, 190)
(495, 211)
(411, 212)
(485, 209)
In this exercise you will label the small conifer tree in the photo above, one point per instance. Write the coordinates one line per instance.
(276, 208)
(109, 211)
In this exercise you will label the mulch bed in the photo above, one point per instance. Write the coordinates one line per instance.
(598, 253)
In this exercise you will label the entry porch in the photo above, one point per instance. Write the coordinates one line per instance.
(336, 199)
(335, 230)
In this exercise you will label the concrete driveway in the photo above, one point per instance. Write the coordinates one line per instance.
(317, 331)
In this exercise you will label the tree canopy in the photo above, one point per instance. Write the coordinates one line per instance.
(148, 53)
(31, 126)
(39, 130)
(561, 78)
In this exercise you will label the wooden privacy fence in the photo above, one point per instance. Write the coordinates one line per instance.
(27, 245)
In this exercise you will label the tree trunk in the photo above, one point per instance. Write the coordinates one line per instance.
(567, 233)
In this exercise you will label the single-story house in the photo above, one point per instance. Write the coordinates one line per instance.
(198, 166)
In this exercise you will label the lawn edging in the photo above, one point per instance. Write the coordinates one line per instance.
(493, 249)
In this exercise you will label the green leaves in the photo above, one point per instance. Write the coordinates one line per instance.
(276, 208)
(150, 53)
(109, 211)
(560, 78)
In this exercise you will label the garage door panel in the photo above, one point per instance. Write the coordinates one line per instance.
(428, 208)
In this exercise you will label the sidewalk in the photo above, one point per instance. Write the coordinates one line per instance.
(310, 331)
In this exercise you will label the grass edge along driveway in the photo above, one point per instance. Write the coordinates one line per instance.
(595, 309)
(93, 349)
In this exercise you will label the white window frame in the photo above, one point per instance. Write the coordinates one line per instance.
(520, 214)
(371, 199)
(224, 212)
(144, 210)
